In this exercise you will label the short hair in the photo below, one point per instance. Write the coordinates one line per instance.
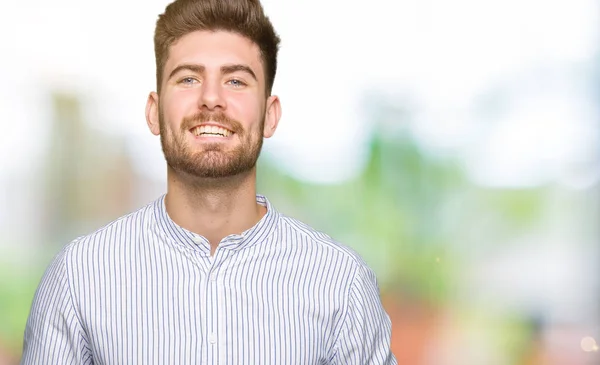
(244, 17)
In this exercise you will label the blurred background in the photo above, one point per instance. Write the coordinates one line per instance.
(454, 144)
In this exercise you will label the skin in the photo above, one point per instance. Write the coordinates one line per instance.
(209, 191)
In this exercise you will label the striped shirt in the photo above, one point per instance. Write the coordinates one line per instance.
(143, 290)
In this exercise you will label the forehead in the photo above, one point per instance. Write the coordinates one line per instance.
(214, 49)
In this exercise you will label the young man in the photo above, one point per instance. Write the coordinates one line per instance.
(210, 273)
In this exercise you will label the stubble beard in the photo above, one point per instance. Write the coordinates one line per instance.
(212, 162)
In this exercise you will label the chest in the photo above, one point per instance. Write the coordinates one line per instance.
(229, 309)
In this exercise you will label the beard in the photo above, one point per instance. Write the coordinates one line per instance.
(213, 161)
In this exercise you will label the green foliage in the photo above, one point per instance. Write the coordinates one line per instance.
(389, 214)
(403, 214)
(17, 288)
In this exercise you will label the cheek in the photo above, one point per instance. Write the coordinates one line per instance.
(177, 106)
(247, 111)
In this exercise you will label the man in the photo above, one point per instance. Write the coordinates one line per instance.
(210, 273)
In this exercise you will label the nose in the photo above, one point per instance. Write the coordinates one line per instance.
(211, 96)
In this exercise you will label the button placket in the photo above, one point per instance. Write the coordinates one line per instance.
(214, 301)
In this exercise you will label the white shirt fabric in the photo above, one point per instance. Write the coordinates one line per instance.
(143, 290)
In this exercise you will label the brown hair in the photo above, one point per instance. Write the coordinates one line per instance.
(244, 17)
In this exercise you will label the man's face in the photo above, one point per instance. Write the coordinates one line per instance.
(212, 107)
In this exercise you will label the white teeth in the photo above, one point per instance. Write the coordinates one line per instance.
(211, 130)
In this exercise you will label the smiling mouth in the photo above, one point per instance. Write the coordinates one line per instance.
(210, 131)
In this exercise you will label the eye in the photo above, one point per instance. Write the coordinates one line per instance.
(188, 81)
(236, 83)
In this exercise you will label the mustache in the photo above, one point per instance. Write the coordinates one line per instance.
(217, 117)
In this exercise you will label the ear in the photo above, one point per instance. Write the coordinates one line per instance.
(272, 115)
(152, 113)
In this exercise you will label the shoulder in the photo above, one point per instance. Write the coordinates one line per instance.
(313, 239)
(115, 234)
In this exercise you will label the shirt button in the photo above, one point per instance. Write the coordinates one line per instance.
(197, 239)
(212, 338)
(213, 277)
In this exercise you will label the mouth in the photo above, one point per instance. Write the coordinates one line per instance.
(211, 131)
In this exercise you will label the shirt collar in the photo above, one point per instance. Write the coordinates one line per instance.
(179, 235)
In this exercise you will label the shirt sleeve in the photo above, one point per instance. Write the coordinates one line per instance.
(54, 334)
(366, 330)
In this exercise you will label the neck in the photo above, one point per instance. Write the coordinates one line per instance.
(213, 208)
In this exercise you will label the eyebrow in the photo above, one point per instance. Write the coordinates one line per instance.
(227, 69)
(190, 67)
